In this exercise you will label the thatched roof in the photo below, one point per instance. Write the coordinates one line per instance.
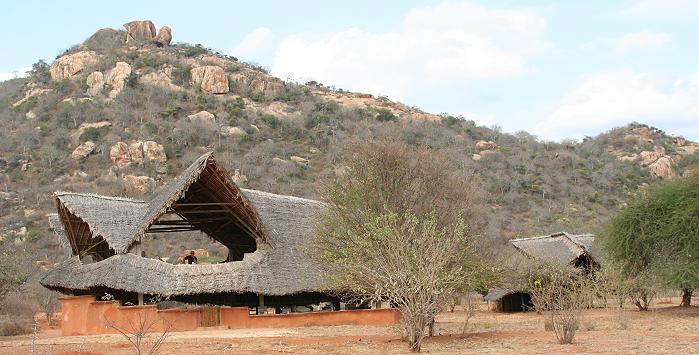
(278, 267)
(114, 219)
(498, 293)
(559, 247)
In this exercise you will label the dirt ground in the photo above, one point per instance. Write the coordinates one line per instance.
(666, 329)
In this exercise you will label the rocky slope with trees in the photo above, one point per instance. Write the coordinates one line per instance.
(125, 111)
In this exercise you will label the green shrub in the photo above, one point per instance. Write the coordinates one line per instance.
(385, 115)
(149, 61)
(131, 80)
(181, 74)
(197, 49)
(40, 72)
(256, 95)
(93, 134)
(233, 68)
(271, 120)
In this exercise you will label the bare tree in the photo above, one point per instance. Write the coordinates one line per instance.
(561, 293)
(48, 300)
(397, 230)
(137, 332)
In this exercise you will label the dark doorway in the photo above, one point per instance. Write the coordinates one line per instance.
(516, 302)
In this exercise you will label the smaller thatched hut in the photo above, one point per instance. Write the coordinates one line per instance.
(578, 251)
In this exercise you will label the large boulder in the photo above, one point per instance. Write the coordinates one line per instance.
(154, 152)
(104, 40)
(83, 150)
(69, 65)
(299, 160)
(115, 77)
(662, 168)
(211, 78)
(239, 178)
(139, 31)
(649, 157)
(486, 145)
(162, 78)
(202, 116)
(139, 185)
(138, 152)
(95, 83)
(164, 36)
(258, 81)
(228, 131)
(119, 154)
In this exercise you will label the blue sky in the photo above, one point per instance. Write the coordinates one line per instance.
(553, 68)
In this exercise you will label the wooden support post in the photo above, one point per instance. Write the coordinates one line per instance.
(261, 309)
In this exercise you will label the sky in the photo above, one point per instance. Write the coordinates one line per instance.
(556, 69)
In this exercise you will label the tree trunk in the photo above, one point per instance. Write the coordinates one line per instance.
(686, 297)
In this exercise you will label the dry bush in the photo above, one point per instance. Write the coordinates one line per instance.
(561, 294)
(137, 333)
(13, 325)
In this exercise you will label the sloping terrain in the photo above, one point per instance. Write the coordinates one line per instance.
(122, 118)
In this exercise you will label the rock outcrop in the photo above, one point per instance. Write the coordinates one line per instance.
(29, 94)
(119, 154)
(228, 131)
(138, 152)
(83, 150)
(164, 36)
(139, 31)
(115, 77)
(486, 145)
(258, 81)
(211, 79)
(154, 152)
(104, 40)
(95, 83)
(239, 178)
(663, 168)
(67, 66)
(203, 116)
(649, 157)
(84, 126)
(162, 78)
(139, 185)
(299, 160)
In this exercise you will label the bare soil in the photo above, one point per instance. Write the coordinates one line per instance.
(666, 329)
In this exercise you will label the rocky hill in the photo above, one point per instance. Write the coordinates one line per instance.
(126, 110)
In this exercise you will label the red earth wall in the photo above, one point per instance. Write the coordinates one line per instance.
(83, 315)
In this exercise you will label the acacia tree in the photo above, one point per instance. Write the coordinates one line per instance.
(657, 234)
(395, 230)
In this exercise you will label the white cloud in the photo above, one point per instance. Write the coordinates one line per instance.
(258, 41)
(663, 10)
(442, 44)
(611, 99)
(20, 73)
(638, 42)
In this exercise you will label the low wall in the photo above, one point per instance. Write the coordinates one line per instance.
(83, 315)
(238, 317)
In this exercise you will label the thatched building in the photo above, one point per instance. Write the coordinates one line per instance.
(562, 248)
(266, 236)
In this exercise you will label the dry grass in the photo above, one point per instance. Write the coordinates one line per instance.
(667, 329)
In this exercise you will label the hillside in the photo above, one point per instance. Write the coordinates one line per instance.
(122, 117)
